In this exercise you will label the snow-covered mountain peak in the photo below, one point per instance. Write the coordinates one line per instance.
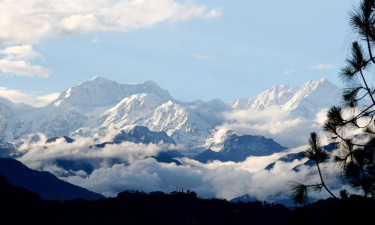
(99, 91)
(150, 87)
(275, 95)
(302, 101)
(313, 85)
(312, 97)
(96, 77)
(131, 110)
(7, 102)
(99, 103)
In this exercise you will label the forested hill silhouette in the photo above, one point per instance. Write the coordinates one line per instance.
(45, 184)
(20, 206)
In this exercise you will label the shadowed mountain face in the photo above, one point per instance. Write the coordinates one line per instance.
(141, 134)
(67, 139)
(209, 155)
(238, 148)
(168, 157)
(6, 149)
(245, 198)
(43, 183)
(248, 145)
(299, 156)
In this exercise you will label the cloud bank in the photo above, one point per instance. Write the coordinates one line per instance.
(16, 62)
(323, 67)
(272, 122)
(39, 153)
(139, 171)
(287, 72)
(20, 97)
(203, 57)
(216, 179)
(27, 22)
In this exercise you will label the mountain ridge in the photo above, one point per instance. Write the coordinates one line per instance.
(99, 103)
(302, 101)
(45, 184)
(238, 148)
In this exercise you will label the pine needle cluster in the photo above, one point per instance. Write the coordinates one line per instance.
(353, 123)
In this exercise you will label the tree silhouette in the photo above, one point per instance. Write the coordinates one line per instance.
(352, 124)
(356, 155)
(316, 153)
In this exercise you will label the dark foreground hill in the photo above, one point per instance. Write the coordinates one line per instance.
(45, 184)
(20, 206)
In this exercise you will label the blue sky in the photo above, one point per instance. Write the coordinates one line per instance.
(195, 49)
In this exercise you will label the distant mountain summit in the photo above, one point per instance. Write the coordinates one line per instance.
(141, 134)
(9, 114)
(303, 101)
(77, 107)
(276, 95)
(100, 91)
(312, 97)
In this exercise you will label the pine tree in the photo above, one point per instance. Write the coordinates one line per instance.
(353, 123)
(316, 153)
(356, 153)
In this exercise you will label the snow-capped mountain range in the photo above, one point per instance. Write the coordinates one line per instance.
(94, 105)
(303, 101)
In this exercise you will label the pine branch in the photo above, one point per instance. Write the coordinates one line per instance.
(323, 183)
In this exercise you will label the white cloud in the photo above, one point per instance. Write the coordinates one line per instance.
(19, 97)
(203, 57)
(139, 171)
(38, 153)
(225, 180)
(322, 67)
(272, 122)
(20, 52)
(147, 175)
(22, 68)
(286, 72)
(25, 22)
(28, 21)
(80, 24)
(45, 99)
(95, 40)
(213, 14)
(16, 62)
